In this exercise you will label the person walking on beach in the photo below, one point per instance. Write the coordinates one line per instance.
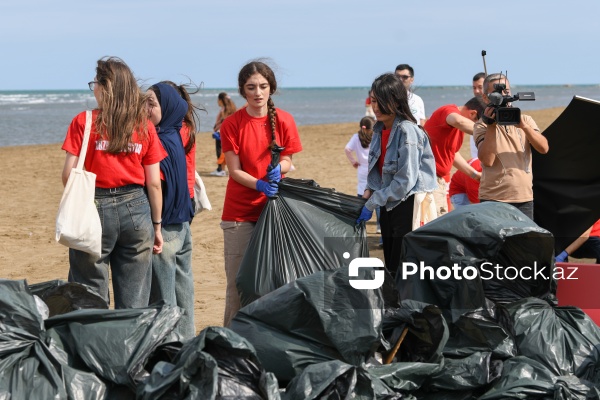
(446, 129)
(227, 107)
(248, 136)
(415, 102)
(124, 152)
(505, 153)
(172, 278)
(401, 164)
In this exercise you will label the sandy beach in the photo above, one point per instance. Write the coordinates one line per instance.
(31, 178)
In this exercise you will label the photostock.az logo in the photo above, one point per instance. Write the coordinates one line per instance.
(366, 262)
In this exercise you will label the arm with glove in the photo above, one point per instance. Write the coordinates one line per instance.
(563, 256)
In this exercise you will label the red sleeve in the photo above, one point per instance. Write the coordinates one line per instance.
(472, 185)
(155, 152)
(229, 134)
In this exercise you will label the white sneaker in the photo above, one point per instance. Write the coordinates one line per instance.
(378, 230)
(219, 173)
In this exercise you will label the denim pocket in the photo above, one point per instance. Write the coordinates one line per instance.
(139, 210)
(390, 167)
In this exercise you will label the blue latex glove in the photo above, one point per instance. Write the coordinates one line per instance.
(562, 257)
(274, 174)
(216, 136)
(365, 215)
(270, 189)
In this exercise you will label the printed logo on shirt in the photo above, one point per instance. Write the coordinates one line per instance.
(133, 147)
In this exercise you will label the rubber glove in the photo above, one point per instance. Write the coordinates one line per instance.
(365, 215)
(562, 257)
(270, 189)
(216, 136)
(274, 174)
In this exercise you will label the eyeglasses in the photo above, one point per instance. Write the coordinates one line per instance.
(92, 84)
(405, 77)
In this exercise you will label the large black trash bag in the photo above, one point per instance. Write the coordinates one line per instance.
(216, 364)
(480, 236)
(564, 339)
(304, 230)
(338, 380)
(18, 308)
(62, 297)
(479, 331)
(28, 370)
(427, 332)
(470, 373)
(113, 344)
(317, 318)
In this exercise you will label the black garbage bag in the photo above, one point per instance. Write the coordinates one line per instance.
(62, 297)
(113, 344)
(28, 370)
(426, 335)
(405, 377)
(18, 308)
(216, 364)
(479, 331)
(304, 230)
(564, 339)
(483, 251)
(470, 373)
(338, 380)
(314, 319)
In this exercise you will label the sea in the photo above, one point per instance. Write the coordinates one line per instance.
(42, 117)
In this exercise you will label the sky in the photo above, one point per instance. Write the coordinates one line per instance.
(47, 45)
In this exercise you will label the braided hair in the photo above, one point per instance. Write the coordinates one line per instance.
(263, 69)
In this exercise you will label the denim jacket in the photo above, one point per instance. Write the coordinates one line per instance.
(409, 166)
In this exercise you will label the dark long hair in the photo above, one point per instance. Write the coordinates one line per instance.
(391, 96)
(365, 133)
(260, 67)
(191, 118)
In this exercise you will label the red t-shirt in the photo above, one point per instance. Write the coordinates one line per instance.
(114, 170)
(445, 139)
(250, 138)
(385, 137)
(596, 229)
(190, 158)
(462, 183)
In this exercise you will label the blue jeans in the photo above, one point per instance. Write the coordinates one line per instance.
(459, 200)
(172, 278)
(127, 240)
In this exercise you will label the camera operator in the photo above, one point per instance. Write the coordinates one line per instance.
(505, 153)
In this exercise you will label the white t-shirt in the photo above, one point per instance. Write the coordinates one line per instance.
(362, 156)
(417, 107)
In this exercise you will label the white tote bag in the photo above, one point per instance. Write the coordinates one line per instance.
(77, 223)
(423, 209)
(200, 197)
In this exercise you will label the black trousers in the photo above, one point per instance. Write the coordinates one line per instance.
(394, 225)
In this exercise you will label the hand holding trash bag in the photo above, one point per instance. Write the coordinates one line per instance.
(270, 189)
(562, 257)
(365, 215)
(274, 174)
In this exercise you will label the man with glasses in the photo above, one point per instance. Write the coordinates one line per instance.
(417, 107)
(505, 153)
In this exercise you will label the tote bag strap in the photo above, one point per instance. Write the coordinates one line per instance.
(86, 139)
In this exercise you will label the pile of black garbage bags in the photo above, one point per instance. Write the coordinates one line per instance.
(306, 331)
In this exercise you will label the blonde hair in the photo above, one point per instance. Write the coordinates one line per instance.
(122, 105)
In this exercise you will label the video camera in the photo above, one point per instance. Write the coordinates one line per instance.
(505, 114)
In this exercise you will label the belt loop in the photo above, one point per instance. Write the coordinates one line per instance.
(113, 190)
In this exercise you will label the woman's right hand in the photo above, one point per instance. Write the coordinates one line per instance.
(158, 240)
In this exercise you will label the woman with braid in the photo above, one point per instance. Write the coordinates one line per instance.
(247, 137)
